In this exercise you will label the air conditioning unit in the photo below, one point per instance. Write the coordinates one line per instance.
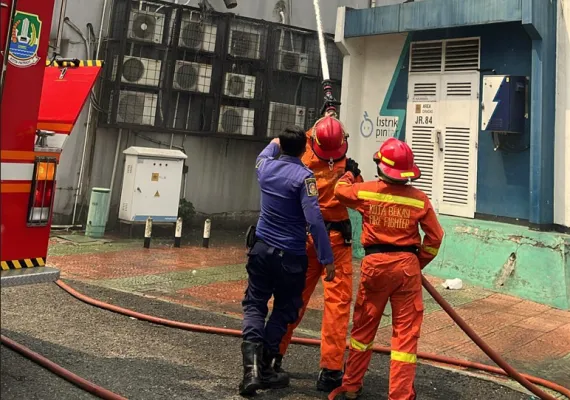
(136, 108)
(283, 115)
(146, 26)
(196, 34)
(237, 120)
(139, 71)
(237, 85)
(245, 42)
(191, 76)
(292, 61)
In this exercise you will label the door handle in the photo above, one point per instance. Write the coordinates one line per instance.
(439, 141)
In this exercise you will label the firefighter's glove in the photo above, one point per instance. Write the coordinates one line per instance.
(352, 166)
(330, 269)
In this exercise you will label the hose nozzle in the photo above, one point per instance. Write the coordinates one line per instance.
(330, 104)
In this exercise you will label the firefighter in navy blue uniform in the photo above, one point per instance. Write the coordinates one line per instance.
(277, 257)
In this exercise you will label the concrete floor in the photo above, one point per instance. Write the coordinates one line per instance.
(143, 361)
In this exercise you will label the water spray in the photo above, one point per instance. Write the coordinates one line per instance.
(330, 103)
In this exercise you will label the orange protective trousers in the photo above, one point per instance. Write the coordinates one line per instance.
(394, 277)
(337, 299)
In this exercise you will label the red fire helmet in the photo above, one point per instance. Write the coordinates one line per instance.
(328, 139)
(396, 160)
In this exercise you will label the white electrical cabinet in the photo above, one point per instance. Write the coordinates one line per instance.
(151, 184)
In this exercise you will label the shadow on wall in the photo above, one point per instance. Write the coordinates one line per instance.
(221, 178)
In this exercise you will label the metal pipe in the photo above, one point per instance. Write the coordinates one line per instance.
(59, 36)
(178, 232)
(88, 124)
(76, 29)
(147, 233)
(206, 235)
(117, 148)
(230, 4)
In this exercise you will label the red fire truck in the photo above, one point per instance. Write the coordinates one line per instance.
(40, 100)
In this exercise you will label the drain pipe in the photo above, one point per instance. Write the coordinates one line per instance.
(60, 26)
(117, 150)
(78, 191)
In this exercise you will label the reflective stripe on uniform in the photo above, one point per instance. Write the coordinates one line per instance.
(388, 198)
(356, 345)
(403, 357)
(431, 250)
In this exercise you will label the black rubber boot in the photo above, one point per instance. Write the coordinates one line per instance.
(329, 380)
(252, 361)
(270, 378)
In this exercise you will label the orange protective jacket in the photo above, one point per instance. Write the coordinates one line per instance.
(326, 178)
(391, 214)
(338, 293)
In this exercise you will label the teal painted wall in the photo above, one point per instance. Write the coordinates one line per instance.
(477, 251)
(503, 178)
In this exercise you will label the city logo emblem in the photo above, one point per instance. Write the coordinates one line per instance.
(24, 40)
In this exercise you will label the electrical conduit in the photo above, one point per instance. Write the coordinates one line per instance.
(525, 380)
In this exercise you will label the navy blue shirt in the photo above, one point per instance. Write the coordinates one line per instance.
(289, 201)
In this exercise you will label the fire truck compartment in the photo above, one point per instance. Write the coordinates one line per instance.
(28, 276)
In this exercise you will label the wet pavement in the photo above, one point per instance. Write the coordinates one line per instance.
(534, 338)
(144, 361)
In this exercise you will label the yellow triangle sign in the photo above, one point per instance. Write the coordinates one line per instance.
(157, 194)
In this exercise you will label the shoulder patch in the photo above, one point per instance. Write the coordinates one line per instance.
(311, 186)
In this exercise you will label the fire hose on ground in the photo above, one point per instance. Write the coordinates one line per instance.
(527, 381)
(330, 103)
(60, 371)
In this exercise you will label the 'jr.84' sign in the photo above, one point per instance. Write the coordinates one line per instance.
(24, 40)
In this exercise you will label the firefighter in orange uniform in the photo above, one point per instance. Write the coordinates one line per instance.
(392, 213)
(326, 157)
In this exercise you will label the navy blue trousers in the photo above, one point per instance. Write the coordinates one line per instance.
(272, 272)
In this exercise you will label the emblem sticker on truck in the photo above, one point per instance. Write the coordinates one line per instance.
(24, 40)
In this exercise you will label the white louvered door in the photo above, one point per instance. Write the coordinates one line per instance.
(423, 102)
(442, 122)
(459, 108)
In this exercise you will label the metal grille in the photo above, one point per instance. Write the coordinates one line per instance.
(462, 55)
(456, 166)
(193, 70)
(426, 56)
(459, 89)
(445, 55)
(425, 89)
(422, 147)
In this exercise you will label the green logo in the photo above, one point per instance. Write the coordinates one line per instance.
(24, 40)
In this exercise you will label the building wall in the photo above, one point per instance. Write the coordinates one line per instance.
(382, 80)
(562, 131)
(220, 178)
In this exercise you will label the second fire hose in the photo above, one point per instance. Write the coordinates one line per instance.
(530, 380)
